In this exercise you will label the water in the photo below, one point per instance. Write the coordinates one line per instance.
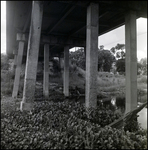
(119, 103)
(142, 119)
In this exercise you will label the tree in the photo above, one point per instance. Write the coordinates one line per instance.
(78, 58)
(119, 53)
(105, 60)
(142, 66)
(120, 66)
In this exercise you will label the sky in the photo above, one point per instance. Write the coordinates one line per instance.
(109, 40)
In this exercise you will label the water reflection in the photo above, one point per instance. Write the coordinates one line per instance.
(142, 119)
(119, 103)
(115, 103)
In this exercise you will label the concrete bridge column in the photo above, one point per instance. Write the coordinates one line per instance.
(32, 56)
(131, 61)
(61, 60)
(66, 71)
(46, 72)
(15, 58)
(85, 51)
(91, 56)
(21, 39)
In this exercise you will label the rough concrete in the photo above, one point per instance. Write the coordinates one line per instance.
(66, 71)
(91, 56)
(46, 72)
(131, 61)
(32, 56)
(15, 52)
(18, 69)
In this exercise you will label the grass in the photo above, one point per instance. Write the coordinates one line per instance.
(108, 84)
(7, 79)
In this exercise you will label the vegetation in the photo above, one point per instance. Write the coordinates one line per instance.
(142, 66)
(119, 53)
(105, 60)
(120, 64)
(4, 62)
(78, 58)
(66, 124)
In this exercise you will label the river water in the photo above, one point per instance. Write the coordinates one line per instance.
(142, 119)
(119, 103)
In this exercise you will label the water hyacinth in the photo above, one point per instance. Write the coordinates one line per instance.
(64, 125)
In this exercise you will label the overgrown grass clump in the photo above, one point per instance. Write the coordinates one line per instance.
(66, 125)
(7, 79)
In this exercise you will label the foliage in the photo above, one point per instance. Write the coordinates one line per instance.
(142, 79)
(133, 125)
(4, 62)
(105, 60)
(7, 78)
(78, 58)
(118, 51)
(120, 64)
(55, 67)
(142, 66)
(58, 126)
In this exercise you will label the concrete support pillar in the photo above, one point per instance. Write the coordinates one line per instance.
(91, 56)
(85, 52)
(18, 64)
(85, 56)
(66, 71)
(131, 61)
(46, 72)
(32, 56)
(15, 52)
(61, 62)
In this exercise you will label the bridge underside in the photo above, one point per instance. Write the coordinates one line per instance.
(51, 28)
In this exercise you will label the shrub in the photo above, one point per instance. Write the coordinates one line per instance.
(6, 88)
(132, 126)
(120, 64)
(4, 62)
(78, 58)
(7, 79)
(142, 79)
(105, 59)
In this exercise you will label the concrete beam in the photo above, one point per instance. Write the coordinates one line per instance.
(46, 72)
(131, 61)
(32, 56)
(66, 71)
(91, 56)
(84, 26)
(61, 40)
